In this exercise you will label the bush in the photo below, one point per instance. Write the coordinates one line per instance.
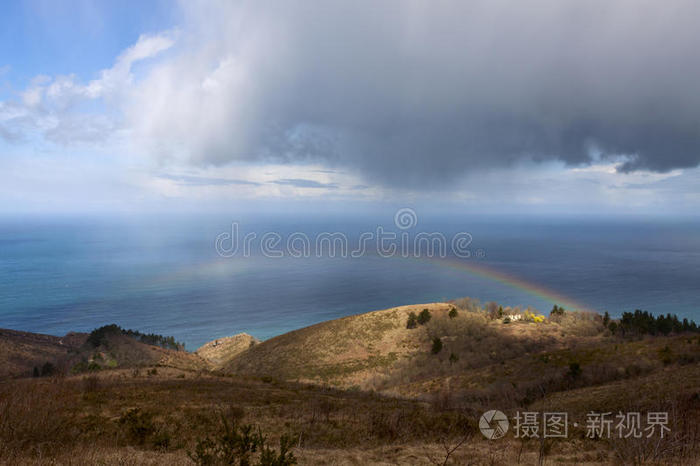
(235, 444)
(47, 369)
(424, 317)
(574, 370)
(84, 366)
(453, 313)
(437, 345)
(412, 320)
(269, 457)
(557, 311)
(453, 358)
(138, 424)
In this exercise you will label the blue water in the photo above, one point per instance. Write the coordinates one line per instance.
(163, 274)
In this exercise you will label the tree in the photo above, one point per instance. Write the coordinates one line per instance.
(412, 320)
(424, 316)
(453, 313)
(437, 345)
(557, 311)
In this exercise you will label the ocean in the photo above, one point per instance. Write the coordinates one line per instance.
(170, 274)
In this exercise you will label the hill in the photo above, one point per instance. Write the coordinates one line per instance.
(342, 352)
(21, 352)
(218, 352)
(24, 354)
(405, 385)
(378, 351)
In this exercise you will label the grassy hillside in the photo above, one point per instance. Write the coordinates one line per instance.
(218, 352)
(345, 352)
(24, 354)
(378, 351)
(400, 386)
(21, 352)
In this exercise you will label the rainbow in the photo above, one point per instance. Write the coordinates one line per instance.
(489, 273)
(220, 267)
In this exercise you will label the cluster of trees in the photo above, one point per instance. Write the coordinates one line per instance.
(644, 323)
(46, 370)
(420, 319)
(557, 311)
(99, 337)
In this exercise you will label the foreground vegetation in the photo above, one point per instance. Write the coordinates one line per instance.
(401, 386)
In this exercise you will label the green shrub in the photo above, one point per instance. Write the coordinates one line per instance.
(453, 313)
(437, 345)
(424, 317)
(84, 366)
(557, 311)
(412, 320)
(574, 370)
(453, 358)
(269, 457)
(235, 444)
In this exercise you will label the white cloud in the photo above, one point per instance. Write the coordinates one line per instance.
(53, 108)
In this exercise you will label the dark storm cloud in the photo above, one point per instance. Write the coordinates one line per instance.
(422, 92)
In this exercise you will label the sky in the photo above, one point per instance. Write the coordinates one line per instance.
(545, 106)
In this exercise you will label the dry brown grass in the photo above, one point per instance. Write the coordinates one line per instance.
(220, 351)
(118, 411)
(415, 407)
